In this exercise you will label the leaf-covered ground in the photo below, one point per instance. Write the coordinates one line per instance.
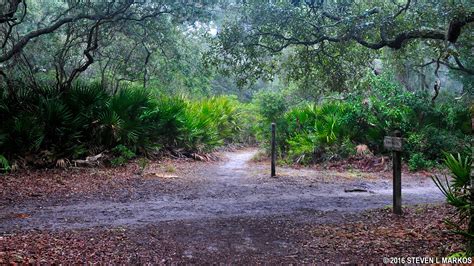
(79, 184)
(364, 238)
(198, 212)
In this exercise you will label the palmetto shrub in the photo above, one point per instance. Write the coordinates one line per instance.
(458, 194)
(321, 130)
(313, 129)
(165, 120)
(87, 120)
(121, 122)
(208, 123)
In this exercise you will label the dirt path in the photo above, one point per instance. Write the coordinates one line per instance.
(231, 189)
(226, 212)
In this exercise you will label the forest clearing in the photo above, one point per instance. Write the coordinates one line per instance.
(236, 132)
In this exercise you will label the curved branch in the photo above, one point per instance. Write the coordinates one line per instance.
(396, 42)
(459, 67)
(92, 44)
(9, 15)
(17, 47)
(403, 9)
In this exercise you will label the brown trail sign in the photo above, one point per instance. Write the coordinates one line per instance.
(394, 143)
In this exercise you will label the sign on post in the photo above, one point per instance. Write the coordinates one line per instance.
(395, 144)
(273, 169)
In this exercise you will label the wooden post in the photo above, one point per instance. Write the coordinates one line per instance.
(273, 171)
(470, 230)
(397, 178)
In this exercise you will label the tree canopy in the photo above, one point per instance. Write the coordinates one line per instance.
(335, 40)
(72, 36)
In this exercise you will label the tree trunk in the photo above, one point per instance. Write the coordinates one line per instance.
(145, 70)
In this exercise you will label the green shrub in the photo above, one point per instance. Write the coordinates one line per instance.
(271, 105)
(208, 123)
(165, 120)
(122, 121)
(460, 167)
(329, 125)
(248, 124)
(347, 148)
(457, 194)
(418, 162)
(312, 132)
(4, 164)
(86, 120)
(122, 155)
(302, 148)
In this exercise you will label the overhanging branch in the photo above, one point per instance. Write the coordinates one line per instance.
(22, 42)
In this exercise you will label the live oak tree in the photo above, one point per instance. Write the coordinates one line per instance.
(332, 42)
(71, 36)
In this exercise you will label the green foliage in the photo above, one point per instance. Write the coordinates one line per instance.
(428, 128)
(167, 120)
(86, 120)
(4, 164)
(122, 155)
(271, 105)
(302, 147)
(209, 123)
(248, 124)
(122, 120)
(329, 122)
(457, 192)
(460, 168)
(314, 129)
(418, 162)
(331, 129)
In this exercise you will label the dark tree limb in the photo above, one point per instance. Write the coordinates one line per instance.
(10, 13)
(22, 42)
(458, 67)
(92, 45)
(396, 42)
(403, 9)
(10, 25)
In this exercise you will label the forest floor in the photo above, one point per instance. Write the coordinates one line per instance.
(224, 212)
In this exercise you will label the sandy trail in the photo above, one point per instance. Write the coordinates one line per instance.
(233, 188)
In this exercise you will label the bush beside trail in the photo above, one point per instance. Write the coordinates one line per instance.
(43, 126)
(313, 132)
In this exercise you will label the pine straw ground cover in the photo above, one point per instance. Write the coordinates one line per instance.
(366, 238)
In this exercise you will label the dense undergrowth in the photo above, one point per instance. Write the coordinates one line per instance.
(331, 129)
(40, 126)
